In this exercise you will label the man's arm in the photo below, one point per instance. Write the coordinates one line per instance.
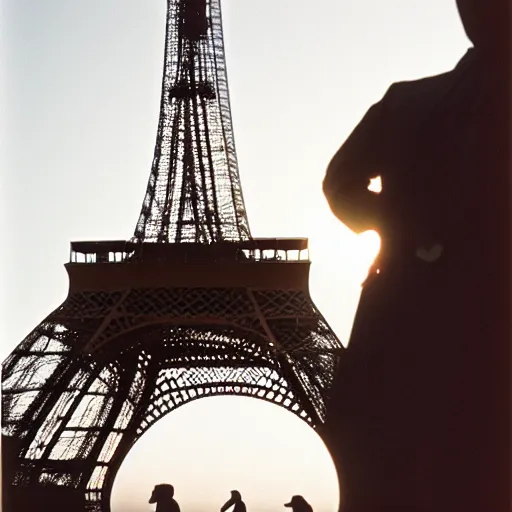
(228, 504)
(364, 156)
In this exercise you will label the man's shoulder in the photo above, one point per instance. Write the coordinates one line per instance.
(423, 84)
(425, 92)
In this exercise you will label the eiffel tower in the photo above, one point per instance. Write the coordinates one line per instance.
(192, 306)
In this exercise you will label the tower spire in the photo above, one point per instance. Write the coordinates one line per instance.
(194, 192)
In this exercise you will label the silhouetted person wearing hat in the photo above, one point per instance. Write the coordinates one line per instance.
(163, 496)
(236, 502)
(419, 415)
(299, 504)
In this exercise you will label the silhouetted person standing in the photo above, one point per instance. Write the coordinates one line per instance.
(236, 502)
(299, 504)
(419, 416)
(163, 496)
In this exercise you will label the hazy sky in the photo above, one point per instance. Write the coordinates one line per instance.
(79, 100)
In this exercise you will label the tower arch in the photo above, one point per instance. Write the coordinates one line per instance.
(217, 443)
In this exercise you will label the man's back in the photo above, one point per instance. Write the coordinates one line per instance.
(415, 402)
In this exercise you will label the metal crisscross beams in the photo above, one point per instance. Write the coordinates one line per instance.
(291, 314)
(204, 332)
(178, 385)
(194, 192)
(77, 412)
(304, 340)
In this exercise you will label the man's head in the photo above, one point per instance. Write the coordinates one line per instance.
(298, 503)
(486, 22)
(236, 496)
(162, 493)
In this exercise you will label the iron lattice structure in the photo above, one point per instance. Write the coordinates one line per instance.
(194, 192)
(154, 323)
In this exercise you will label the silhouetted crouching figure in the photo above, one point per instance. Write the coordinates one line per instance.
(236, 500)
(299, 504)
(419, 415)
(163, 496)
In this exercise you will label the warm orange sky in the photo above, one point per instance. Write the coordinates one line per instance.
(80, 98)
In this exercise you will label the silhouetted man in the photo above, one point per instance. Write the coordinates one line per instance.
(236, 500)
(419, 415)
(299, 504)
(163, 496)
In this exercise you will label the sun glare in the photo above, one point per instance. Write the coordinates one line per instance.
(368, 246)
(375, 185)
(340, 260)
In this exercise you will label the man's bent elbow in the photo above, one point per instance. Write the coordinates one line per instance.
(355, 209)
(343, 209)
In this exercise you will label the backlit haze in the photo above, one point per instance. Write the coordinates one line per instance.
(80, 96)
